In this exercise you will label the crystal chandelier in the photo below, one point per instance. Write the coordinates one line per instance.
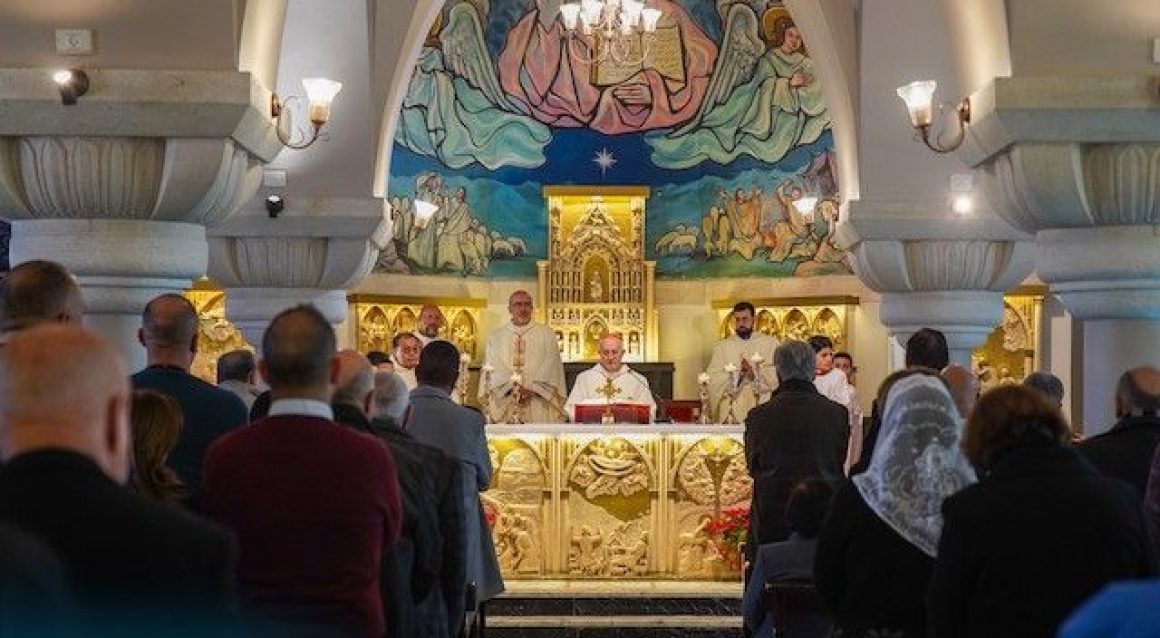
(610, 29)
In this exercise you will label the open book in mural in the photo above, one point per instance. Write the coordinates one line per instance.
(723, 119)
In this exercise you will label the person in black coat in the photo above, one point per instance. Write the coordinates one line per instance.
(797, 435)
(1041, 531)
(66, 443)
(877, 545)
(440, 611)
(1125, 451)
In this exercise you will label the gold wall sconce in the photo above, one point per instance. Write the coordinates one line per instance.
(919, 97)
(320, 93)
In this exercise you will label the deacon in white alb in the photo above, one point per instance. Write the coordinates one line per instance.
(592, 385)
(742, 365)
(526, 367)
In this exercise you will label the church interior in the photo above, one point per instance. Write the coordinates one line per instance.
(734, 150)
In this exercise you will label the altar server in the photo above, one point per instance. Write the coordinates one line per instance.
(742, 366)
(610, 381)
(525, 375)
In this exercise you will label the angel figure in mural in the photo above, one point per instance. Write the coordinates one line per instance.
(538, 71)
(456, 111)
(760, 102)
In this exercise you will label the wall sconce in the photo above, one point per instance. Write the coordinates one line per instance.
(72, 83)
(806, 206)
(918, 97)
(320, 93)
(424, 211)
(274, 205)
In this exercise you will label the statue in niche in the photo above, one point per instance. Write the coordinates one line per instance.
(595, 289)
(634, 343)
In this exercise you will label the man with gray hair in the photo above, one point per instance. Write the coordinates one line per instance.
(235, 373)
(1125, 451)
(1048, 384)
(797, 435)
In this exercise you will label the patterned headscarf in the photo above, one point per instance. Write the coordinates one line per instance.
(917, 462)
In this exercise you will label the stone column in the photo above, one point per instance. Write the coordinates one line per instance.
(313, 253)
(120, 186)
(1081, 170)
(936, 271)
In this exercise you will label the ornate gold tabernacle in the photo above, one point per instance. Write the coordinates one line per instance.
(596, 279)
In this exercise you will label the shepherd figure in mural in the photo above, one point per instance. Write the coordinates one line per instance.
(760, 103)
(538, 71)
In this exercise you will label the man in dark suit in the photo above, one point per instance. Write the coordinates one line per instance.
(797, 435)
(313, 503)
(169, 334)
(1125, 451)
(438, 421)
(67, 450)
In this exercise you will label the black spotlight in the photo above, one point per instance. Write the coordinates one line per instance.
(72, 83)
(274, 205)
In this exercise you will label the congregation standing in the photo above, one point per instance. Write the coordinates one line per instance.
(345, 500)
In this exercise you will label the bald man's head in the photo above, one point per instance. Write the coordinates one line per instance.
(37, 292)
(964, 387)
(1138, 392)
(430, 321)
(169, 331)
(298, 353)
(48, 401)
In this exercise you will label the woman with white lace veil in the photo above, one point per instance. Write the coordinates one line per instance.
(878, 545)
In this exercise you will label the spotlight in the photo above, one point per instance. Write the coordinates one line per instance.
(274, 205)
(962, 205)
(72, 83)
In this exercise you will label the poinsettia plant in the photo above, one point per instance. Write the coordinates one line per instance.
(489, 514)
(728, 532)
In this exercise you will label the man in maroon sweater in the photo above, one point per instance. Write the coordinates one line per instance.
(314, 503)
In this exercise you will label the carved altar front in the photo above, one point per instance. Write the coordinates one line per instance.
(629, 502)
(596, 279)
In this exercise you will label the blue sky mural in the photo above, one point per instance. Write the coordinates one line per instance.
(726, 126)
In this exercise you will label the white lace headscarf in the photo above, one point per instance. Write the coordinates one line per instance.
(917, 462)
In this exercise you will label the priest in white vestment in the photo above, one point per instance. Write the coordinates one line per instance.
(527, 376)
(430, 323)
(627, 385)
(406, 356)
(742, 366)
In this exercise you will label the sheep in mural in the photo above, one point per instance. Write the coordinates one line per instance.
(502, 249)
(678, 241)
(519, 245)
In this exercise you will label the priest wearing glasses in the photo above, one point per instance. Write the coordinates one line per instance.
(610, 381)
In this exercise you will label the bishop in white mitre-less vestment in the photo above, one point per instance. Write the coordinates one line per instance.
(742, 365)
(627, 385)
(531, 349)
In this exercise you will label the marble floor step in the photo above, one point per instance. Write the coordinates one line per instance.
(669, 626)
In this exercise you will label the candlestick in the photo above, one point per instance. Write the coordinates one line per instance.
(517, 378)
(485, 396)
(703, 382)
(755, 361)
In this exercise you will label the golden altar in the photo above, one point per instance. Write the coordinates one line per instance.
(578, 501)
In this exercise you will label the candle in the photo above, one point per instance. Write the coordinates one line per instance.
(703, 378)
(517, 378)
(487, 368)
(756, 359)
(730, 368)
(465, 358)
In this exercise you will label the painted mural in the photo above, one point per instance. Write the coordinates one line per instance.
(721, 115)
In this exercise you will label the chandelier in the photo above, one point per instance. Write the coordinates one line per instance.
(611, 30)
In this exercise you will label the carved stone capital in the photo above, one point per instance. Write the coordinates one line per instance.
(943, 273)
(313, 253)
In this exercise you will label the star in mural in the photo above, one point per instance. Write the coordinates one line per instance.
(604, 160)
